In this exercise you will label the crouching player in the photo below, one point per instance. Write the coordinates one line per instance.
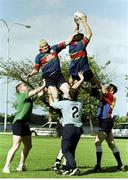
(48, 60)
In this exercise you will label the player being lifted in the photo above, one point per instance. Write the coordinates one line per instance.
(49, 62)
(78, 54)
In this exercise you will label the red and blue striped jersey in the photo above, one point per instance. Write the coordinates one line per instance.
(49, 62)
(106, 106)
(78, 55)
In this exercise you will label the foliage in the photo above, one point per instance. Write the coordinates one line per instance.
(118, 119)
(126, 88)
(90, 103)
(18, 70)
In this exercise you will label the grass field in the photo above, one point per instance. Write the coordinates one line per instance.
(44, 152)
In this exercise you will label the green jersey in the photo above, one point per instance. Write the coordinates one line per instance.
(23, 107)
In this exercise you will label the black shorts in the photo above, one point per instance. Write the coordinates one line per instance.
(55, 79)
(21, 128)
(106, 125)
(88, 75)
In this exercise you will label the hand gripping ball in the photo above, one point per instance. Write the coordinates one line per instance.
(78, 15)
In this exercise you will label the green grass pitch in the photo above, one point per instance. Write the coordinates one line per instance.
(45, 149)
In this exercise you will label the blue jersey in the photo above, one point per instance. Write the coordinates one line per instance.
(71, 111)
(49, 62)
(106, 106)
(103, 111)
(78, 54)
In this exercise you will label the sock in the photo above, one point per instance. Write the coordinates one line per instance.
(98, 155)
(117, 157)
(58, 160)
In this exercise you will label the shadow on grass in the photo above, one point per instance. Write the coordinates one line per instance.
(110, 169)
(47, 169)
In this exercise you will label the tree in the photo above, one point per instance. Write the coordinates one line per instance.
(18, 70)
(126, 78)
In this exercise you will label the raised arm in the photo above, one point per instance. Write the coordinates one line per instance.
(42, 92)
(51, 100)
(102, 91)
(36, 91)
(33, 72)
(86, 27)
(36, 67)
(69, 40)
(78, 83)
(77, 25)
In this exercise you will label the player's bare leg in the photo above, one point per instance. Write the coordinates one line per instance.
(16, 144)
(65, 89)
(27, 146)
(116, 153)
(53, 91)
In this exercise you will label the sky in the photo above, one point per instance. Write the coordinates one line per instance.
(53, 21)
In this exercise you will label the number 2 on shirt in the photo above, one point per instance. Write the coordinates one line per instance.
(75, 111)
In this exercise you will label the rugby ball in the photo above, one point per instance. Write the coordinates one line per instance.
(78, 15)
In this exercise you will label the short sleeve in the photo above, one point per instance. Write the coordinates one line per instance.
(85, 41)
(57, 48)
(37, 62)
(57, 105)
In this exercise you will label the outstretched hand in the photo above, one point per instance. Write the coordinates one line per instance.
(80, 74)
(28, 76)
(84, 18)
